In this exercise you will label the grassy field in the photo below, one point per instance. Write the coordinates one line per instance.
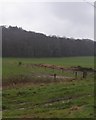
(30, 92)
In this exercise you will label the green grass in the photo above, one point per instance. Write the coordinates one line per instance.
(66, 61)
(10, 65)
(61, 99)
(41, 100)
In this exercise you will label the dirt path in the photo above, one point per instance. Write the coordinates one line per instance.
(52, 76)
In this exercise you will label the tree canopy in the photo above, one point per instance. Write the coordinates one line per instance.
(17, 42)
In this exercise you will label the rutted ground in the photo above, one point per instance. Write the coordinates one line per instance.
(37, 94)
(43, 100)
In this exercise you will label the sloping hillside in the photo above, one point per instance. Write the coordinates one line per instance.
(20, 43)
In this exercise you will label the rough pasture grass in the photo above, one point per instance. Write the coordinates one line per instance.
(69, 99)
(10, 65)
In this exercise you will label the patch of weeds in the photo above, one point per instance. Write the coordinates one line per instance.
(22, 93)
(4, 107)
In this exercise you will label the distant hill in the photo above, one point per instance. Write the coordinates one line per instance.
(17, 42)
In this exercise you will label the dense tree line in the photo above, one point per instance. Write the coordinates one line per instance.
(17, 42)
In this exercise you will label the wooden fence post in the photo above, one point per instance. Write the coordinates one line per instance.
(54, 76)
(84, 74)
(75, 74)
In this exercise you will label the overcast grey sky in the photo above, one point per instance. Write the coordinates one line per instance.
(70, 19)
